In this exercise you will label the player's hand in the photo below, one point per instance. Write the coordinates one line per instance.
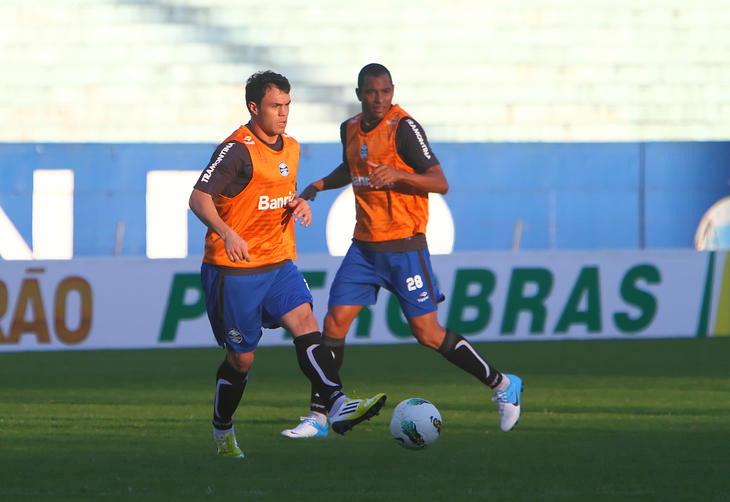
(300, 211)
(309, 193)
(384, 175)
(236, 247)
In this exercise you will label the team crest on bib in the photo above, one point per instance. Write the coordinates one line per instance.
(364, 152)
(235, 336)
(283, 169)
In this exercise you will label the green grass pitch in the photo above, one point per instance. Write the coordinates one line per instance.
(602, 420)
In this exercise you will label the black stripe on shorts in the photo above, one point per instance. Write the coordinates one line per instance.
(426, 276)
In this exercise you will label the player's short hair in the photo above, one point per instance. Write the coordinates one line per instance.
(372, 70)
(259, 82)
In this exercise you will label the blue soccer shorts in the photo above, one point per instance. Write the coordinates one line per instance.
(240, 305)
(408, 275)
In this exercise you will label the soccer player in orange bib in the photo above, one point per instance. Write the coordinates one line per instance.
(246, 196)
(392, 168)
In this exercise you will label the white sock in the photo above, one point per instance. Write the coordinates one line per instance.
(504, 383)
(221, 433)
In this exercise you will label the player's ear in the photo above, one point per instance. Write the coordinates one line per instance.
(357, 93)
(252, 108)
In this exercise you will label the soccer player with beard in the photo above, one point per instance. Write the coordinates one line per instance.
(392, 168)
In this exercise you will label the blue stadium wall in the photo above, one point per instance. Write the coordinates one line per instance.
(568, 195)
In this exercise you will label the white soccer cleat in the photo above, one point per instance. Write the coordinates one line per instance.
(309, 427)
(508, 403)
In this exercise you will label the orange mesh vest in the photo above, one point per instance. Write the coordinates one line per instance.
(384, 214)
(257, 213)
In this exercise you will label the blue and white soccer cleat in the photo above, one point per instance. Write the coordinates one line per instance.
(309, 427)
(508, 403)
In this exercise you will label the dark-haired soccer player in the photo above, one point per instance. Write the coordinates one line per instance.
(392, 168)
(246, 196)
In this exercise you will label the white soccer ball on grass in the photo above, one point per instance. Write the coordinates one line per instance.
(416, 423)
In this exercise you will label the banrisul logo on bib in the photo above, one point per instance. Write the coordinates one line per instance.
(267, 202)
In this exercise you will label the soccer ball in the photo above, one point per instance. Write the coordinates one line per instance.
(416, 423)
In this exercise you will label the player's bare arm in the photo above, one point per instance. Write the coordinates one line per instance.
(338, 178)
(202, 205)
(431, 180)
(301, 212)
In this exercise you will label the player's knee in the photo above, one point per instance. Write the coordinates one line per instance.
(428, 338)
(301, 320)
(336, 326)
(242, 361)
(304, 325)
